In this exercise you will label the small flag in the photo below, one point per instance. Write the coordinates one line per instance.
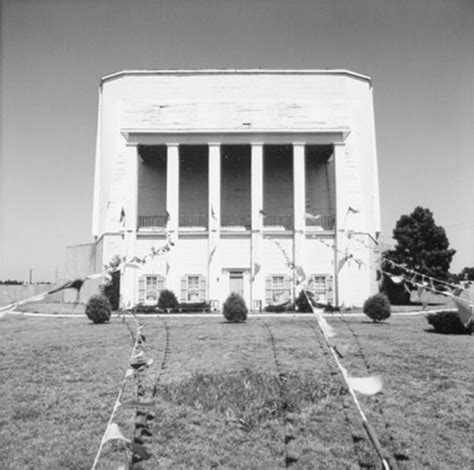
(213, 214)
(366, 385)
(464, 311)
(212, 253)
(311, 216)
(122, 216)
(395, 279)
(256, 270)
(351, 210)
(300, 274)
(113, 432)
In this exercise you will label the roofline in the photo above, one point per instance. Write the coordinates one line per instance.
(349, 73)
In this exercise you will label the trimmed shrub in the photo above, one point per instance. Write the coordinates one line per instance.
(168, 300)
(98, 309)
(194, 307)
(302, 302)
(377, 307)
(448, 323)
(280, 308)
(234, 308)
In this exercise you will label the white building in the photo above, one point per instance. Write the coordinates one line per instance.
(248, 165)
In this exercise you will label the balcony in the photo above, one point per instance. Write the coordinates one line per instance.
(151, 222)
(193, 221)
(326, 220)
(236, 222)
(278, 221)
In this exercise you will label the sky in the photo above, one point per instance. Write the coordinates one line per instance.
(419, 53)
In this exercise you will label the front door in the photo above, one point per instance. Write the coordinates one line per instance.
(236, 283)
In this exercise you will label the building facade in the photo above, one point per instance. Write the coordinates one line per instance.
(260, 178)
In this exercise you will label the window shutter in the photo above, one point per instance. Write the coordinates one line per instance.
(329, 289)
(287, 287)
(202, 288)
(141, 289)
(268, 290)
(184, 288)
(160, 284)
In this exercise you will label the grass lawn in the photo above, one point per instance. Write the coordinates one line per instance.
(234, 395)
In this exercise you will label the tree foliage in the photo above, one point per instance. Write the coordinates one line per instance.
(467, 274)
(421, 245)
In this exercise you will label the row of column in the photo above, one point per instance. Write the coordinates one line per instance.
(299, 198)
(172, 191)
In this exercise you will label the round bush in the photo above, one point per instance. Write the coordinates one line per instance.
(302, 302)
(448, 323)
(377, 307)
(234, 309)
(98, 309)
(168, 300)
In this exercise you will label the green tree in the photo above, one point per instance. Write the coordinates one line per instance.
(467, 274)
(421, 245)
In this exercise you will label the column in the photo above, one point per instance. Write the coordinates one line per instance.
(129, 240)
(299, 205)
(172, 187)
(214, 220)
(257, 276)
(340, 279)
(172, 207)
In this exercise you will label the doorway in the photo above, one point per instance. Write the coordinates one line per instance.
(236, 282)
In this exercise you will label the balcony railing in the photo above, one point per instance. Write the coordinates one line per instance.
(193, 221)
(325, 221)
(151, 221)
(278, 221)
(236, 221)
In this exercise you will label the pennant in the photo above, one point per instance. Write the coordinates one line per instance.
(309, 216)
(351, 210)
(396, 279)
(212, 253)
(122, 216)
(113, 432)
(76, 284)
(366, 385)
(256, 270)
(341, 263)
(464, 311)
(300, 274)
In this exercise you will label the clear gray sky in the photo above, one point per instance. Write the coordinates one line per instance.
(420, 54)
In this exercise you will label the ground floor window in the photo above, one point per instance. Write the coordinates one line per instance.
(321, 285)
(278, 289)
(193, 288)
(149, 288)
